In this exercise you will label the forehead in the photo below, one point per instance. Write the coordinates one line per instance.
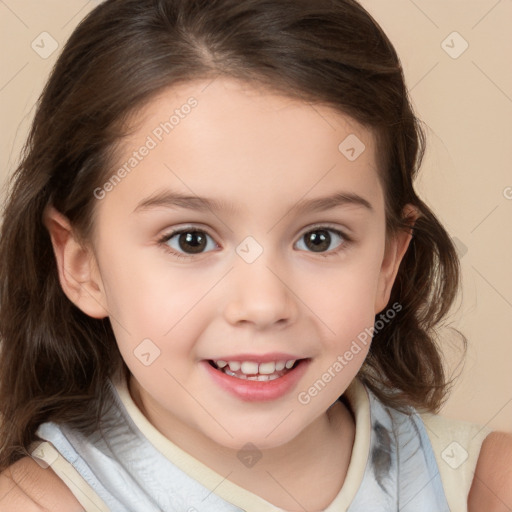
(244, 145)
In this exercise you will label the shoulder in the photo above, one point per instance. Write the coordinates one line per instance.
(27, 486)
(456, 445)
(492, 484)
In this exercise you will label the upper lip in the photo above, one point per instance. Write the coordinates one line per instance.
(259, 358)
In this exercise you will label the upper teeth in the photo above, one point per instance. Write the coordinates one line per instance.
(253, 368)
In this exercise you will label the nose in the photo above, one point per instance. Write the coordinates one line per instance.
(260, 294)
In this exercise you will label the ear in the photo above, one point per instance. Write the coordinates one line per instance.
(396, 246)
(78, 271)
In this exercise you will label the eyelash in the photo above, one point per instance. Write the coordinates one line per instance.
(343, 246)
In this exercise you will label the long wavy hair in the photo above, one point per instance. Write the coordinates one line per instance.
(55, 361)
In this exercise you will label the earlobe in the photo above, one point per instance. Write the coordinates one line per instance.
(396, 248)
(78, 272)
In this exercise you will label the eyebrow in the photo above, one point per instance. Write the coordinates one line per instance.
(172, 199)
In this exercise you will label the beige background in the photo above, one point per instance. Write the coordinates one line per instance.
(465, 101)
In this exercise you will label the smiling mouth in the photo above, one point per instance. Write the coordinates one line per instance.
(251, 370)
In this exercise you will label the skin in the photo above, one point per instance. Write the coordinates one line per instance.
(492, 484)
(245, 146)
(28, 487)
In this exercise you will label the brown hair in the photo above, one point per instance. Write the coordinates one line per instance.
(55, 360)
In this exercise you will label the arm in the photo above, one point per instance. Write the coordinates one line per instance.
(27, 486)
(492, 484)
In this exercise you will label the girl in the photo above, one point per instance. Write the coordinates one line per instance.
(219, 288)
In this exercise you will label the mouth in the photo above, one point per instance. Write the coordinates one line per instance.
(255, 371)
(257, 378)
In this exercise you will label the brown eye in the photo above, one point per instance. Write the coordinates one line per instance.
(188, 242)
(192, 241)
(320, 240)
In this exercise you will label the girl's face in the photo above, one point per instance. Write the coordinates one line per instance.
(245, 227)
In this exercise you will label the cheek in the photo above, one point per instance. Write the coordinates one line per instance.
(148, 294)
(344, 296)
(161, 303)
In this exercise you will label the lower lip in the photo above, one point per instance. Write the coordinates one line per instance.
(258, 391)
